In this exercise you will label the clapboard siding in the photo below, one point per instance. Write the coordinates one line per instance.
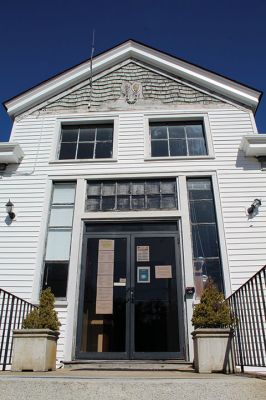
(240, 180)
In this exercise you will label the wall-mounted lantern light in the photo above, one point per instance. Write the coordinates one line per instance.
(9, 209)
(253, 209)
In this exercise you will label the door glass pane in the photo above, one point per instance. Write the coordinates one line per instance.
(104, 304)
(156, 310)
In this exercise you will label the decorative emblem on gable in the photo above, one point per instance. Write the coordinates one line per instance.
(130, 86)
(131, 91)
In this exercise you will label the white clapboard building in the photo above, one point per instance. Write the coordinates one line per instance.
(132, 180)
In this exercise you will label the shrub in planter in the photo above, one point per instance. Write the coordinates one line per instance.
(35, 344)
(213, 335)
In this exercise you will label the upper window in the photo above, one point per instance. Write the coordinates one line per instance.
(132, 195)
(175, 139)
(86, 142)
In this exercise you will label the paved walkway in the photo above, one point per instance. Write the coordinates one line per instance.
(119, 385)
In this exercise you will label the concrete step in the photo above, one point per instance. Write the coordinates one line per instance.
(125, 365)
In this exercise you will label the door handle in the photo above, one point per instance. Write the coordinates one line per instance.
(132, 297)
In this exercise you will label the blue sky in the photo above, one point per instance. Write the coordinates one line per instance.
(40, 39)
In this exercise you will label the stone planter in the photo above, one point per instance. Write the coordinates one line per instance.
(34, 350)
(213, 350)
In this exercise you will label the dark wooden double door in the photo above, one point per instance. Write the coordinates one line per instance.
(130, 303)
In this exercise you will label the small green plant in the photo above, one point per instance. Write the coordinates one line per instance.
(45, 316)
(213, 311)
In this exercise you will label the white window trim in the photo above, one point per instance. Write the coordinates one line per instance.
(79, 121)
(177, 117)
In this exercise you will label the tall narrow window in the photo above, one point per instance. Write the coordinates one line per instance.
(206, 251)
(59, 238)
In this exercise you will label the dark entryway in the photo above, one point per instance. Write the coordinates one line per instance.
(130, 293)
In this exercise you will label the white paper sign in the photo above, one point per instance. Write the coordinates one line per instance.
(143, 253)
(163, 271)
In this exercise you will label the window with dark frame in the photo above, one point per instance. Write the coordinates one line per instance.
(206, 249)
(59, 238)
(176, 139)
(132, 195)
(86, 141)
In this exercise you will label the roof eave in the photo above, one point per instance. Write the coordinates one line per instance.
(243, 94)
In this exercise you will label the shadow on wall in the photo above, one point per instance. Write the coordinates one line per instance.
(247, 163)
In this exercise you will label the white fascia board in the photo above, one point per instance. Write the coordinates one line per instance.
(63, 82)
(197, 75)
(140, 52)
(254, 145)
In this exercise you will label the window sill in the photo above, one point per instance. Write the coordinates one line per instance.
(83, 161)
(179, 158)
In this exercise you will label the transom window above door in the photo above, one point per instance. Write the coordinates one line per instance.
(132, 195)
(177, 139)
(86, 141)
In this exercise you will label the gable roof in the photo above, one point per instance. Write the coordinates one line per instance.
(132, 49)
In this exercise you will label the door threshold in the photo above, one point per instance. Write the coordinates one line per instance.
(129, 365)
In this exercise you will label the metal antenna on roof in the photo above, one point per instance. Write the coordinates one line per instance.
(92, 53)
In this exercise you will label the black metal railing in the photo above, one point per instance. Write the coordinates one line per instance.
(12, 312)
(248, 306)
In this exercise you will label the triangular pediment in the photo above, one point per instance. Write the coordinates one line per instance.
(130, 86)
(175, 82)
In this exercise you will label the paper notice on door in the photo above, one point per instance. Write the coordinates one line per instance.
(104, 294)
(143, 253)
(106, 245)
(104, 307)
(106, 257)
(105, 277)
(104, 300)
(163, 271)
(106, 268)
(105, 281)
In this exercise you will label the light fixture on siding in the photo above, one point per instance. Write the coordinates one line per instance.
(253, 209)
(9, 209)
